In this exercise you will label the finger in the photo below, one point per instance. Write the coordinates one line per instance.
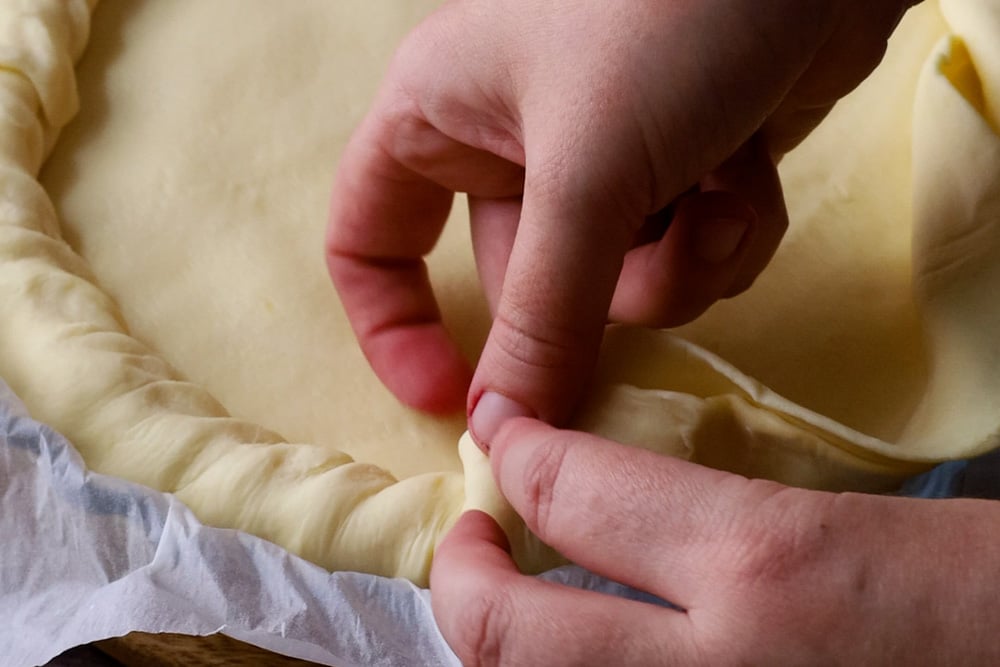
(492, 615)
(672, 280)
(494, 226)
(650, 521)
(383, 219)
(750, 174)
(390, 201)
(668, 280)
(550, 317)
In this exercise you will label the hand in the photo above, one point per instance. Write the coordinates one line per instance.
(579, 130)
(766, 574)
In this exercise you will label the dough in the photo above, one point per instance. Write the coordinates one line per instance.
(175, 316)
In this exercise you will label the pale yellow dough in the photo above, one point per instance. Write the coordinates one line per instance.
(167, 308)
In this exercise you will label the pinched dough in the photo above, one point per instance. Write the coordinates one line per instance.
(165, 303)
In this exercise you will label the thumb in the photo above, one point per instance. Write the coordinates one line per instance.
(553, 305)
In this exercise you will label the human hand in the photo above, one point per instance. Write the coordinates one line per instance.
(766, 574)
(578, 130)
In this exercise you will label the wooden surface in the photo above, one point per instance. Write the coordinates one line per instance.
(83, 656)
(139, 649)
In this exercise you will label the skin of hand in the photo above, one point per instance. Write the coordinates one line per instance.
(765, 574)
(578, 130)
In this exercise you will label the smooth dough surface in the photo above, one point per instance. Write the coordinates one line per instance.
(168, 308)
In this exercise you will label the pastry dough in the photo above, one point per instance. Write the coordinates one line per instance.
(183, 273)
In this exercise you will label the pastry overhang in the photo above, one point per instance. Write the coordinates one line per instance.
(166, 304)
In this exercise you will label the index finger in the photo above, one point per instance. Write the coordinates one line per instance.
(567, 255)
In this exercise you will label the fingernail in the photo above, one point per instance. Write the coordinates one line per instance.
(717, 239)
(491, 411)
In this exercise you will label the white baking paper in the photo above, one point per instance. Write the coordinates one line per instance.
(85, 557)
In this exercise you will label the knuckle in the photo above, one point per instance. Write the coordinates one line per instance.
(766, 555)
(526, 340)
(780, 545)
(485, 629)
(541, 477)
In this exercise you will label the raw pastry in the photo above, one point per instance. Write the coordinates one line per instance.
(183, 273)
